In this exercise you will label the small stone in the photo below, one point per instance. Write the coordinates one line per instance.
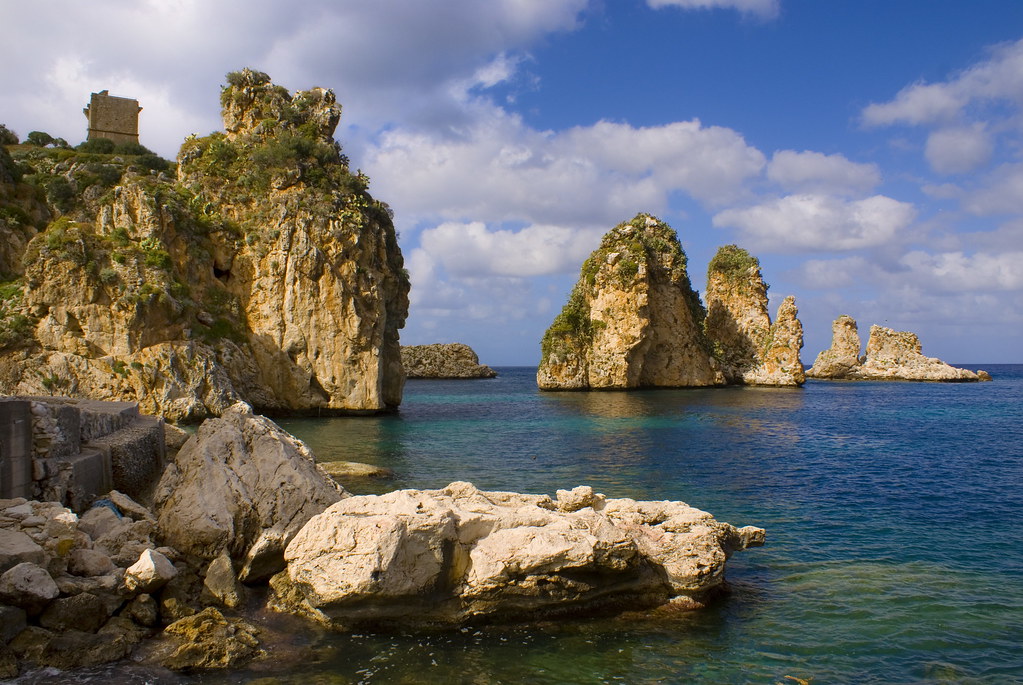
(150, 572)
(221, 583)
(143, 610)
(28, 586)
(84, 611)
(89, 562)
(16, 548)
(579, 498)
(12, 622)
(100, 521)
(130, 507)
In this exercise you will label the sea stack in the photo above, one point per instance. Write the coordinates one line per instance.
(632, 320)
(443, 360)
(751, 350)
(890, 355)
(264, 273)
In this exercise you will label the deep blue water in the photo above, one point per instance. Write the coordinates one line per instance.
(894, 515)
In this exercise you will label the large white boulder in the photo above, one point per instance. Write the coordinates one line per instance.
(241, 485)
(459, 554)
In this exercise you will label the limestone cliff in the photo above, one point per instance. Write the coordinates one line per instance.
(750, 349)
(633, 319)
(452, 360)
(264, 271)
(890, 355)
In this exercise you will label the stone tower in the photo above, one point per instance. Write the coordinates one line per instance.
(113, 117)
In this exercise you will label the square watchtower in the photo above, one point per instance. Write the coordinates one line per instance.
(113, 117)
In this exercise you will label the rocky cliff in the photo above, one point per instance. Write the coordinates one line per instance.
(890, 355)
(262, 271)
(451, 360)
(632, 320)
(750, 349)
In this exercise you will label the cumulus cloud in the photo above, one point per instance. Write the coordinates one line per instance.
(502, 170)
(1000, 192)
(470, 249)
(767, 9)
(958, 149)
(956, 271)
(999, 78)
(814, 172)
(819, 222)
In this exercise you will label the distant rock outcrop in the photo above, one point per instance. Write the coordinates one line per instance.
(751, 350)
(632, 320)
(265, 272)
(890, 355)
(460, 555)
(451, 360)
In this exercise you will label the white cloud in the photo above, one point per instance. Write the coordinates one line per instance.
(956, 271)
(502, 170)
(999, 78)
(958, 149)
(767, 9)
(819, 222)
(814, 172)
(470, 249)
(825, 274)
(1000, 192)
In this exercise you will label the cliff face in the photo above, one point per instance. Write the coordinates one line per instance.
(633, 319)
(751, 350)
(452, 360)
(890, 355)
(263, 272)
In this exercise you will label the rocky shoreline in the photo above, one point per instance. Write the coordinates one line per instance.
(242, 505)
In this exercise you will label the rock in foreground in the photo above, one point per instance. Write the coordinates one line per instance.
(452, 360)
(244, 485)
(460, 555)
(890, 356)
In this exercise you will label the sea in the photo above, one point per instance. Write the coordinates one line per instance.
(893, 511)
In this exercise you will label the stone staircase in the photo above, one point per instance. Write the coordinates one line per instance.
(77, 449)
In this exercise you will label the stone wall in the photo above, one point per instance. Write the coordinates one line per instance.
(74, 450)
(15, 449)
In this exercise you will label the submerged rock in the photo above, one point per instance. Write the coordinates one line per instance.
(751, 350)
(632, 320)
(890, 355)
(451, 360)
(460, 555)
(244, 485)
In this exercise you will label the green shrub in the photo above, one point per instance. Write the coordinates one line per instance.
(39, 138)
(102, 146)
(7, 136)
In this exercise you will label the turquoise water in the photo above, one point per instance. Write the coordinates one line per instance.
(893, 514)
(893, 511)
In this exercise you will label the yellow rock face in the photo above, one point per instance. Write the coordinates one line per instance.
(633, 319)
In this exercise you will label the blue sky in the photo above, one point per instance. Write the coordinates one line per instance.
(867, 151)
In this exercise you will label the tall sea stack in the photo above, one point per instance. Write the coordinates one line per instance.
(633, 318)
(751, 350)
(263, 272)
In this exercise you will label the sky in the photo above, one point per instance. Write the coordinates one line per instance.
(868, 152)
